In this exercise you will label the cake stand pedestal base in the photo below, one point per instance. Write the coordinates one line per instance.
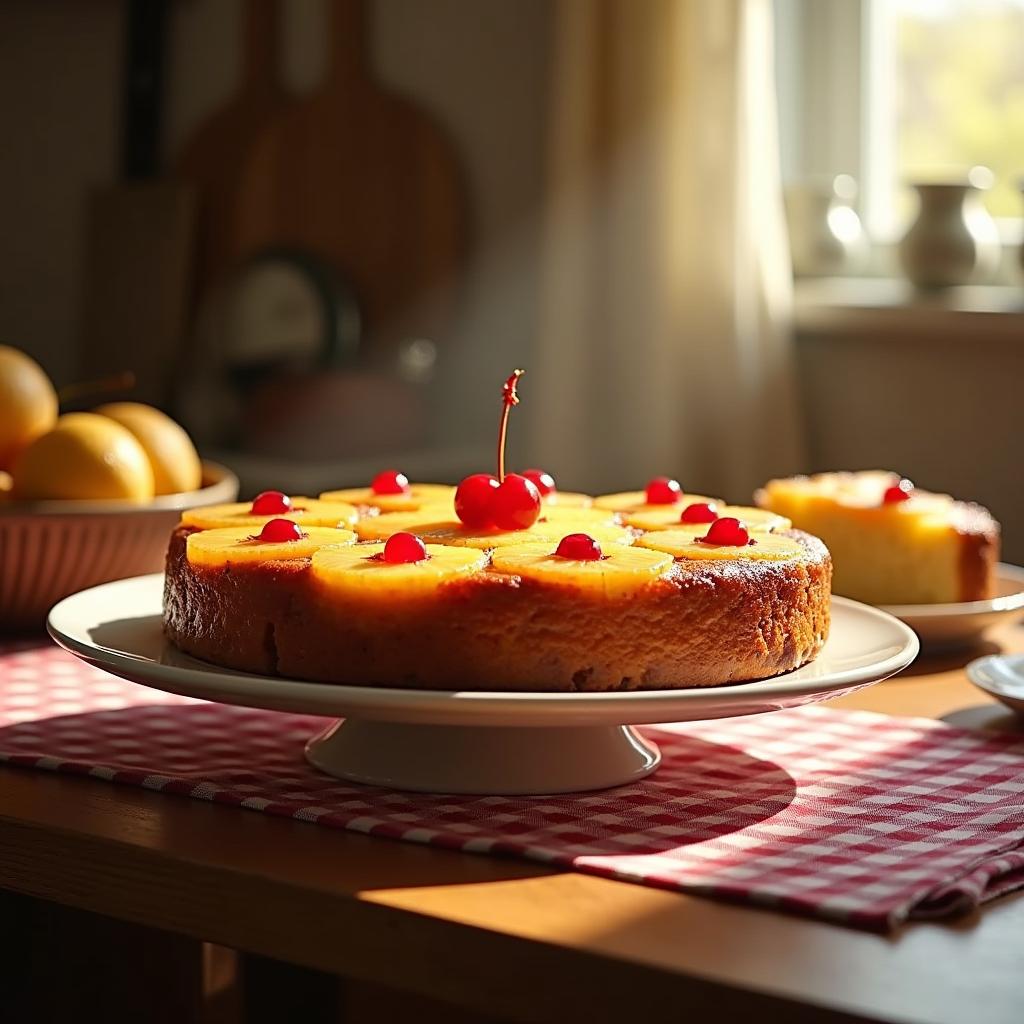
(507, 760)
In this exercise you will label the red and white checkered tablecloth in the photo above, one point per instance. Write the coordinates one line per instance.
(849, 816)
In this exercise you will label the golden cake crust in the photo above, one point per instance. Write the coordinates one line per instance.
(979, 537)
(702, 624)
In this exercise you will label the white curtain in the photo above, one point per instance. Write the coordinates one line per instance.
(663, 343)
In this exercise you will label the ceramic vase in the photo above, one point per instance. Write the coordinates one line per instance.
(953, 240)
(825, 233)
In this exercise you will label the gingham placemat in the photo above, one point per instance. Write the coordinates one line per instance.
(849, 816)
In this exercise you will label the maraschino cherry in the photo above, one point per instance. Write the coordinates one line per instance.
(727, 532)
(271, 503)
(580, 547)
(404, 548)
(898, 492)
(699, 512)
(390, 481)
(544, 482)
(516, 503)
(280, 531)
(508, 501)
(473, 499)
(663, 490)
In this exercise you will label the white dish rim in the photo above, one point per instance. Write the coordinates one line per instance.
(978, 672)
(1006, 603)
(239, 684)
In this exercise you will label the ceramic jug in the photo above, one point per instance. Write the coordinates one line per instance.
(825, 233)
(953, 240)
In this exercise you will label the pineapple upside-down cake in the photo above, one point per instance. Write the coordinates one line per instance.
(503, 583)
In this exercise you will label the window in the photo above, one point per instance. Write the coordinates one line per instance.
(893, 91)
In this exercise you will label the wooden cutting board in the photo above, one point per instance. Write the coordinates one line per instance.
(209, 160)
(357, 175)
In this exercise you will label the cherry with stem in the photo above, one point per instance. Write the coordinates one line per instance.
(509, 501)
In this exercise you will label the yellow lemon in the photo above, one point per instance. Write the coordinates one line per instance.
(28, 403)
(84, 456)
(172, 455)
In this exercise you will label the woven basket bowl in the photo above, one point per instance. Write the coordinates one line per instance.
(50, 549)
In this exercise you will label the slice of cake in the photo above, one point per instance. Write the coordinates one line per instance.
(890, 542)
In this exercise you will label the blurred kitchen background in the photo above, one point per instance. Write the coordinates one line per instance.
(728, 239)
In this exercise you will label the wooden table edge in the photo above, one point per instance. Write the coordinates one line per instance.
(478, 968)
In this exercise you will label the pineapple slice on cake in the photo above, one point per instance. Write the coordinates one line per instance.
(390, 491)
(567, 499)
(401, 567)
(725, 538)
(439, 530)
(661, 493)
(379, 528)
(271, 505)
(550, 495)
(459, 535)
(698, 513)
(576, 515)
(579, 561)
(276, 540)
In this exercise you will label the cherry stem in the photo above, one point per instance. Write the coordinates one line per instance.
(508, 399)
(123, 381)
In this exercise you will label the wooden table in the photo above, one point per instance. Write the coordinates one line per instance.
(498, 937)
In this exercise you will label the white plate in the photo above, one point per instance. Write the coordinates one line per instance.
(514, 743)
(955, 626)
(1002, 676)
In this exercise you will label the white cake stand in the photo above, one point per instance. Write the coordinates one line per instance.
(463, 742)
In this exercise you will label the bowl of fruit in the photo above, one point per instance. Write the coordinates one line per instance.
(86, 497)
